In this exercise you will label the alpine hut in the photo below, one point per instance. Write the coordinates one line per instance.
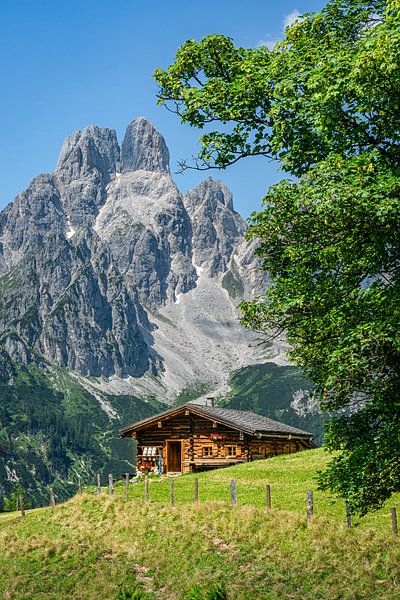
(193, 437)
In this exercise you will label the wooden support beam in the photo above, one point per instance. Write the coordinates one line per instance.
(394, 521)
(268, 496)
(310, 506)
(233, 493)
(191, 440)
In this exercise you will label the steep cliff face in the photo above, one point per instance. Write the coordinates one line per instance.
(62, 295)
(144, 149)
(217, 229)
(87, 251)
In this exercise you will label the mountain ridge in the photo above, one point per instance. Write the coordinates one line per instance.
(113, 238)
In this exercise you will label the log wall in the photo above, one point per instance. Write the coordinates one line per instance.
(208, 444)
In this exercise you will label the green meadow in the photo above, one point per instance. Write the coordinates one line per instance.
(100, 547)
(289, 477)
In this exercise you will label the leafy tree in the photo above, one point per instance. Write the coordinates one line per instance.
(12, 501)
(325, 102)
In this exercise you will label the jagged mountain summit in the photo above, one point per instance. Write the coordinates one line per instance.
(108, 271)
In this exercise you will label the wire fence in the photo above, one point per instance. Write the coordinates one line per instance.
(130, 488)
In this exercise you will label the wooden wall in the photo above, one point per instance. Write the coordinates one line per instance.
(199, 434)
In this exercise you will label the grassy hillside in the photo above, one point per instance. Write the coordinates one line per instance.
(290, 476)
(101, 547)
(269, 390)
(53, 429)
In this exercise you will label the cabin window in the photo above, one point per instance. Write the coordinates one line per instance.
(231, 451)
(207, 451)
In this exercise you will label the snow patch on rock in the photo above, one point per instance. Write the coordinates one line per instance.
(11, 474)
(178, 298)
(304, 403)
(199, 270)
(70, 231)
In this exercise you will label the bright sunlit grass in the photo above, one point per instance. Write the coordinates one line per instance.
(290, 476)
(100, 547)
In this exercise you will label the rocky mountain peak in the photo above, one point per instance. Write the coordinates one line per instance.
(93, 148)
(214, 195)
(144, 148)
(217, 228)
(89, 254)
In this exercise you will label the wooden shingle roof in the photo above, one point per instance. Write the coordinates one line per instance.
(250, 421)
(243, 420)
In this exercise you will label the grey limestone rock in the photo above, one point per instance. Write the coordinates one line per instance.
(217, 228)
(147, 228)
(89, 160)
(93, 148)
(26, 224)
(86, 251)
(144, 148)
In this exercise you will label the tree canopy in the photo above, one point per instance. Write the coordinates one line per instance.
(325, 103)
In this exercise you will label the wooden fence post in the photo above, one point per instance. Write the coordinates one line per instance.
(394, 521)
(348, 516)
(268, 496)
(80, 485)
(146, 489)
(233, 492)
(196, 490)
(310, 505)
(126, 486)
(21, 506)
(52, 498)
(110, 484)
(172, 492)
(98, 484)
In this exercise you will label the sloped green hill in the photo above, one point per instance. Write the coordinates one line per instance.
(53, 429)
(101, 547)
(290, 476)
(278, 392)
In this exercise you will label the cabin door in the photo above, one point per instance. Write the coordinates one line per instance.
(174, 457)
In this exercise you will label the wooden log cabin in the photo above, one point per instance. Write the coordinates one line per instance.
(193, 437)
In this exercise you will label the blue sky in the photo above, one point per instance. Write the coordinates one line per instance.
(67, 64)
